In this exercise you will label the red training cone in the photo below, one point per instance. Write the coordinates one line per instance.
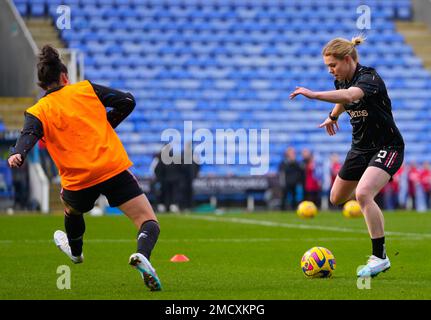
(179, 258)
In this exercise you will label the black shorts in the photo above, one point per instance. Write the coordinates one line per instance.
(388, 159)
(118, 190)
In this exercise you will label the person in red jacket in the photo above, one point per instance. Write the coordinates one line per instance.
(391, 190)
(413, 178)
(336, 166)
(425, 180)
(312, 185)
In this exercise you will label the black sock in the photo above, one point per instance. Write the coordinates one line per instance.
(147, 237)
(75, 228)
(379, 247)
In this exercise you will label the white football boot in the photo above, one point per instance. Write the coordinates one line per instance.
(374, 266)
(61, 241)
(148, 273)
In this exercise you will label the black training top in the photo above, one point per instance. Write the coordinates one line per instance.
(371, 117)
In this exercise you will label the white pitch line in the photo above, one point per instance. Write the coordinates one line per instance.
(303, 226)
(45, 241)
(227, 240)
(410, 236)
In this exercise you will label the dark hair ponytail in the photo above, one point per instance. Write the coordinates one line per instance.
(49, 67)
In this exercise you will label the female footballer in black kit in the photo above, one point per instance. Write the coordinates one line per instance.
(377, 149)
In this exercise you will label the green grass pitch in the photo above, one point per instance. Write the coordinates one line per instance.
(232, 256)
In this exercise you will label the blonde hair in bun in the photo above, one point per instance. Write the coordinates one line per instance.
(340, 47)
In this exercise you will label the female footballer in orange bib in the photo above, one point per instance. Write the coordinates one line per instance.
(80, 137)
(377, 149)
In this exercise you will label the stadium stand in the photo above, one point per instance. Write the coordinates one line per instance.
(233, 63)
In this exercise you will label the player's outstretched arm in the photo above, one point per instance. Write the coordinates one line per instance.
(342, 96)
(30, 134)
(122, 104)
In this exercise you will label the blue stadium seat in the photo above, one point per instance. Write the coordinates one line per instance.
(37, 9)
(22, 7)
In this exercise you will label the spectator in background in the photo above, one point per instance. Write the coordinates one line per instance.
(312, 185)
(21, 186)
(413, 176)
(425, 180)
(391, 191)
(306, 155)
(156, 184)
(291, 175)
(335, 166)
(190, 171)
(169, 175)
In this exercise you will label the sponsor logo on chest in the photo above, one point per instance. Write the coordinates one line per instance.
(357, 113)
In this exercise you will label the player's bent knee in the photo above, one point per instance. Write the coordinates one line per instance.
(363, 196)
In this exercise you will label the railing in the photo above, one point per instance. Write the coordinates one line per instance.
(422, 11)
(39, 183)
(74, 62)
(18, 55)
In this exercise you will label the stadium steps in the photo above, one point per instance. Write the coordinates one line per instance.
(55, 204)
(12, 111)
(44, 32)
(418, 36)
